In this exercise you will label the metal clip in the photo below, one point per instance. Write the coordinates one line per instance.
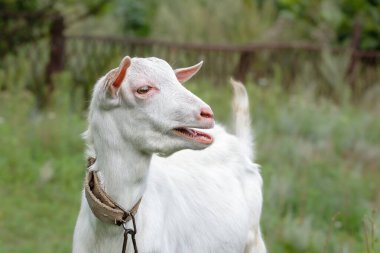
(129, 231)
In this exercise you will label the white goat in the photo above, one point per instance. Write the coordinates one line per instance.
(205, 198)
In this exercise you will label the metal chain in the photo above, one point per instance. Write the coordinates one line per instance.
(132, 232)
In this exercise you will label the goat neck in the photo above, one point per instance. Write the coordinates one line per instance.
(123, 171)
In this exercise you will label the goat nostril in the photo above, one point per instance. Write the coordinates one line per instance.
(206, 113)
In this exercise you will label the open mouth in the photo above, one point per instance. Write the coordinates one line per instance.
(193, 135)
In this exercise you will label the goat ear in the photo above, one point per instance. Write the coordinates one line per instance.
(117, 76)
(184, 74)
(122, 70)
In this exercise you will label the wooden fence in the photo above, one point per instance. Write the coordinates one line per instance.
(88, 57)
(223, 60)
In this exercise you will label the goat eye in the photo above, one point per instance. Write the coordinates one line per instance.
(143, 90)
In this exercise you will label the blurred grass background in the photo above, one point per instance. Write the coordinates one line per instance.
(319, 151)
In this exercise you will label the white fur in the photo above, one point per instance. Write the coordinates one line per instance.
(196, 200)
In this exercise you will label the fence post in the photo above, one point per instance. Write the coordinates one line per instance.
(243, 66)
(350, 75)
(56, 56)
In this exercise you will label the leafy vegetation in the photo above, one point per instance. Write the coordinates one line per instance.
(325, 22)
(241, 21)
(337, 19)
(24, 22)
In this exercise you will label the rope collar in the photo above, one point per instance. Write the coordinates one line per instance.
(106, 209)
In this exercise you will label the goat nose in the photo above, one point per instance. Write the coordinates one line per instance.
(206, 113)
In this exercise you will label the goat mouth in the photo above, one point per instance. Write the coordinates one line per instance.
(193, 135)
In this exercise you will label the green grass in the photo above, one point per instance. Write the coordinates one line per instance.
(41, 169)
(320, 162)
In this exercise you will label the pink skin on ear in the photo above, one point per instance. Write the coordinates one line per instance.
(184, 74)
(124, 64)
